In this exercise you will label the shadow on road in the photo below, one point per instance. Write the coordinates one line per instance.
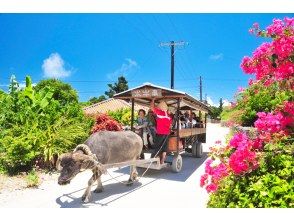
(115, 191)
(190, 165)
(111, 193)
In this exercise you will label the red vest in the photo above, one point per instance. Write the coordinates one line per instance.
(163, 121)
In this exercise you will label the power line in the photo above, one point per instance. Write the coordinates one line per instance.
(139, 31)
(173, 25)
(188, 64)
(178, 67)
(162, 79)
(160, 27)
(151, 31)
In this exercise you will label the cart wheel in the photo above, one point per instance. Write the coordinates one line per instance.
(177, 163)
(197, 149)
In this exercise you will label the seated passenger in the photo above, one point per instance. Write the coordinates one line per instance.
(151, 127)
(194, 120)
(182, 121)
(199, 123)
(142, 127)
(188, 120)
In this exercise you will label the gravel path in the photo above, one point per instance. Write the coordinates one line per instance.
(156, 189)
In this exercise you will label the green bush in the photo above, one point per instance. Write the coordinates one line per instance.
(231, 114)
(122, 115)
(63, 92)
(34, 126)
(260, 98)
(32, 179)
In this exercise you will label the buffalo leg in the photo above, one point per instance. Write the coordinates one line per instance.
(86, 196)
(99, 187)
(133, 175)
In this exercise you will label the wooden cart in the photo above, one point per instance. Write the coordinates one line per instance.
(181, 140)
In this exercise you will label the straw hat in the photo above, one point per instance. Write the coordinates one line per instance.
(162, 105)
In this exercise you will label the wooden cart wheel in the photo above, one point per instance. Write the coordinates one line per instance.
(197, 149)
(177, 163)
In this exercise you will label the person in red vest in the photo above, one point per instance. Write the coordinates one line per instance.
(163, 125)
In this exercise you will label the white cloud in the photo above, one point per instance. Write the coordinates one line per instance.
(23, 85)
(210, 102)
(53, 67)
(125, 69)
(226, 103)
(219, 56)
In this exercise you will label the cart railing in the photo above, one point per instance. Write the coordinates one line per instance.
(191, 132)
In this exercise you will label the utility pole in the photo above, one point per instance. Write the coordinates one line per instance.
(172, 65)
(172, 45)
(200, 89)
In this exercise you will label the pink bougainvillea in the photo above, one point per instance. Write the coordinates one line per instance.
(239, 141)
(274, 123)
(257, 144)
(215, 171)
(283, 46)
(270, 60)
(276, 28)
(203, 179)
(269, 122)
(211, 187)
(242, 161)
(289, 108)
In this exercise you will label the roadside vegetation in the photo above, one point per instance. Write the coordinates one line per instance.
(255, 167)
(39, 123)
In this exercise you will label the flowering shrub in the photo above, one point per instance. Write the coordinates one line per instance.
(273, 60)
(243, 161)
(240, 141)
(105, 122)
(236, 158)
(255, 169)
(215, 171)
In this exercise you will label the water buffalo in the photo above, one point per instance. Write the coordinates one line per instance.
(104, 147)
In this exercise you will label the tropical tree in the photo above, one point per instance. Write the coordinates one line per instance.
(94, 100)
(63, 92)
(215, 112)
(120, 86)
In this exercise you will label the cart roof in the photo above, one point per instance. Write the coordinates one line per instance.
(144, 93)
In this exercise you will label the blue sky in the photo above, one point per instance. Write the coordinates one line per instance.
(90, 50)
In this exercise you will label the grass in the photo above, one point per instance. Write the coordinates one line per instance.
(32, 179)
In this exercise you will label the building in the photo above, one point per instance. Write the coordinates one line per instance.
(110, 105)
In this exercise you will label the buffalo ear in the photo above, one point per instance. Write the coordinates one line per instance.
(58, 166)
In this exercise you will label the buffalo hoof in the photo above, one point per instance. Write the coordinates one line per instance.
(130, 183)
(85, 199)
(100, 190)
